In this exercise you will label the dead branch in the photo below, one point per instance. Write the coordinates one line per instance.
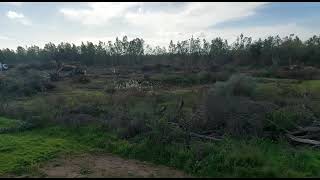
(301, 140)
(310, 136)
(204, 137)
(306, 129)
(198, 135)
(208, 132)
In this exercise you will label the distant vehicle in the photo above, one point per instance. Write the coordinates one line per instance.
(3, 67)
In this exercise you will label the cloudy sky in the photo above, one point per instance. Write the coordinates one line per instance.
(37, 23)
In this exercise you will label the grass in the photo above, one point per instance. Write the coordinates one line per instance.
(20, 152)
(8, 123)
(313, 86)
(270, 90)
(231, 158)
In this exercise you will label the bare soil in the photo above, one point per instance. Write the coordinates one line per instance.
(104, 165)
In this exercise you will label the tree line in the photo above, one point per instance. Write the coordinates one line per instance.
(270, 51)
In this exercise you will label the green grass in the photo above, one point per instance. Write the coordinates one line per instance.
(313, 86)
(20, 151)
(260, 158)
(231, 158)
(269, 90)
(8, 123)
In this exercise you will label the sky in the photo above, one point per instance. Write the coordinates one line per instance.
(37, 23)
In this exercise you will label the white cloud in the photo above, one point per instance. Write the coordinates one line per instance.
(14, 3)
(195, 16)
(161, 24)
(14, 15)
(231, 34)
(19, 17)
(5, 38)
(98, 12)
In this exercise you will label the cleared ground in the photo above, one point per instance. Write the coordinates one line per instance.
(104, 165)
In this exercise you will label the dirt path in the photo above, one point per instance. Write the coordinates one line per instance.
(106, 165)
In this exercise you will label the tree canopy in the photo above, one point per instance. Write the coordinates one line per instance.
(272, 50)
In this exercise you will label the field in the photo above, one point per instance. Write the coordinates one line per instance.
(148, 118)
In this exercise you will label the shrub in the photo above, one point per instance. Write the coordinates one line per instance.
(203, 77)
(231, 111)
(77, 120)
(30, 83)
(125, 124)
(289, 118)
(162, 132)
(237, 85)
(237, 116)
(221, 76)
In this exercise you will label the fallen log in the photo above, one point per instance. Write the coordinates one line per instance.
(301, 140)
(310, 136)
(204, 137)
(306, 129)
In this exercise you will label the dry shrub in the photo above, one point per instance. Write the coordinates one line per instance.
(126, 125)
(135, 92)
(76, 120)
(231, 110)
(237, 116)
(237, 85)
(26, 83)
